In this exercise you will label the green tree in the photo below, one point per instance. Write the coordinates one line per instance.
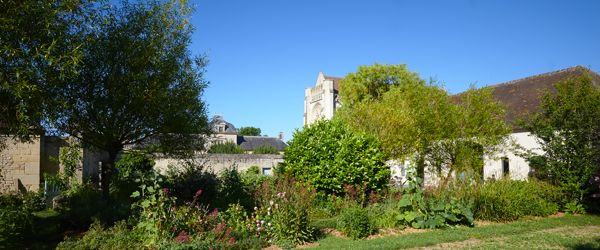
(371, 82)
(39, 45)
(136, 82)
(420, 121)
(265, 149)
(225, 148)
(568, 129)
(328, 155)
(252, 131)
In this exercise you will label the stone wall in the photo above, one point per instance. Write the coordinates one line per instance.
(218, 162)
(20, 165)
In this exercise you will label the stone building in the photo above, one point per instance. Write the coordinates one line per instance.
(321, 101)
(23, 164)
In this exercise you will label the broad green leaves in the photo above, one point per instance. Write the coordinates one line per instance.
(328, 156)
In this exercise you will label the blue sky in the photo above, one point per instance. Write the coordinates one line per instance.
(263, 54)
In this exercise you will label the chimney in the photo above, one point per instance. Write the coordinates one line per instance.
(280, 136)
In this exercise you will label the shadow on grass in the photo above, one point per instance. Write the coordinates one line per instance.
(589, 246)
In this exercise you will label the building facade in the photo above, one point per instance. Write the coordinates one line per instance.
(321, 101)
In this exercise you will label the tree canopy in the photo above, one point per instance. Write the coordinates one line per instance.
(39, 47)
(420, 121)
(568, 129)
(252, 131)
(136, 81)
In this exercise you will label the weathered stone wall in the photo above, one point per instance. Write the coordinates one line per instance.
(218, 162)
(20, 165)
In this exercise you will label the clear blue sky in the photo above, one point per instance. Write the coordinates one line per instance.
(263, 54)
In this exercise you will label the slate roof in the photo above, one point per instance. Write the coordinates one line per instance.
(522, 97)
(249, 143)
(217, 120)
(336, 81)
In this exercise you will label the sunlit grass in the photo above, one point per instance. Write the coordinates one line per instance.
(568, 232)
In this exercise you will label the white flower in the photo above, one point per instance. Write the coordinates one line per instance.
(255, 208)
(271, 202)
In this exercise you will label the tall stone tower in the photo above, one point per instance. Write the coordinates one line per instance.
(321, 101)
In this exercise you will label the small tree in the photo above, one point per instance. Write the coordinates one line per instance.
(328, 155)
(251, 131)
(568, 129)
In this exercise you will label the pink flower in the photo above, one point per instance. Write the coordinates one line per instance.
(182, 237)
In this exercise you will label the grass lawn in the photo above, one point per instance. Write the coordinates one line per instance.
(568, 232)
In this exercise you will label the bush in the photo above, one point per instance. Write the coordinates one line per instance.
(116, 237)
(283, 212)
(265, 149)
(328, 155)
(507, 200)
(186, 180)
(232, 190)
(355, 223)
(225, 148)
(16, 221)
(420, 211)
(84, 202)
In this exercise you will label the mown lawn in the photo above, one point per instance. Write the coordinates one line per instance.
(568, 232)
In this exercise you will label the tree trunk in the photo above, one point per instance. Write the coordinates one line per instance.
(106, 175)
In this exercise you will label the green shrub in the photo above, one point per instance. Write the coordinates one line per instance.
(16, 221)
(225, 148)
(283, 214)
(185, 181)
(116, 237)
(507, 200)
(328, 155)
(420, 211)
(84, 202)
(355, 223)
(265, 149)
(232, 190)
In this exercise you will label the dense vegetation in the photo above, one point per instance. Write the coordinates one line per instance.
(569, 132)
(329, 156)
(129, 77)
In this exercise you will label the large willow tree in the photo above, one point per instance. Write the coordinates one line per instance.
(39, 47)
(137, 81)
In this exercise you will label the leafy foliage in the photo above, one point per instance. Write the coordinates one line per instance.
(569, 133)
(507, 200)
(136, 80)
(251, 131)
(355, 223)
(328, 155)
(283, 212)
(186, 180)
(419, 211)
(69, 158)
(413, 118)
(225, 148)
(40, 46)
(265, 149)
(17, 219)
